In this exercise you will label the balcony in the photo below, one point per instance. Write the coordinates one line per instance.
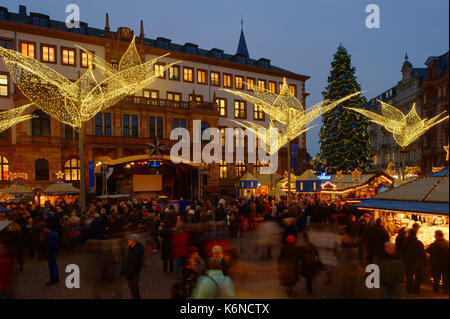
(176, 105)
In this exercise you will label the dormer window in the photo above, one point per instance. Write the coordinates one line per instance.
(264, 63)
(216, 54)
(39, 20)
(162, 43)
(190, 48)
(240, 59)
(3, 13)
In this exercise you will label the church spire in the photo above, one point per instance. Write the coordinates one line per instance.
(242, 46)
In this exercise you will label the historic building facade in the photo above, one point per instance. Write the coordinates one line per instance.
(417, 86)
(188, 91)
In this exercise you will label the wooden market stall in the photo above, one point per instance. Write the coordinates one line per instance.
(247, 185)
(58, 190)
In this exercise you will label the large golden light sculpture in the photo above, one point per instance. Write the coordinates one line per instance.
(287, 114)
(14, 116)
(75, 103)
(405, 128)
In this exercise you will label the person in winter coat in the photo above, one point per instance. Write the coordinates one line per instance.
(438, 251)
(219, 214)
(97, 228)
(214, 284)
(133, 265)
(309, 256)
(400, 240)
(188, 277)
(179, 249)
(392, 271)
(288, 264)
(415, 262)
(51, 249)
(166, 234)
(374, 239)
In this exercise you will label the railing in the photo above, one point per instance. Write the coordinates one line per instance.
(183, 105)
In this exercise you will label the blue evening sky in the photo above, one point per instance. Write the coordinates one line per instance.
(300, 36)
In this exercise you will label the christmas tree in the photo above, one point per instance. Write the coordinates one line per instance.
(345, 142)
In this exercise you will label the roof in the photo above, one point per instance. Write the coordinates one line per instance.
(405, 206)
(308, 175)
(248, 177)
(277, 191)
(60, 187)
(267, 179)
(442, 173)
(100, 33)
(442, 62)
(242, 46)
(17, 188)
(4, 224)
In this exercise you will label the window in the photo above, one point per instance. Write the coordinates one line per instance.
(4, 168)
(273, 87)
(4, 85)
(179, 123)
(98, 124)
(221, 106)
(240, 169)
(239, 109)
(240, 137)
(151, 94)
(280, 86)
(159, 70)
(262, 84)
(223, 170)
(28, 49)
(72, 170)
(257, 167)
(201, 77)
(39, 20)
(215, 78)
(41, 170)
(239, 82)
(293, 89)
(222, 136)
(86, 59)
(203, 127)
(227, 80)
(198, 98)
(250, 84)
(48, 53)
(175, 98)
(258, 113)
(70, 132)
(174, 73)
(130, 129)
(6, 43)
(114, 63)
(68, 56)
(4, 134)
(40, 125)
(188, 74)
(240, 59)
(156, 127)
(107, 123)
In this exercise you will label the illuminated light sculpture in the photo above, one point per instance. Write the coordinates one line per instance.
(14, 116)
(405, 128)
(446, 152)
(390, 169)
(287, 116)
(75, 103)
(355, 175)
(59, 175)
(339, 175)
(156, 147)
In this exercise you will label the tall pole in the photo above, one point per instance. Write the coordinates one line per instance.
(289, 163)
(82, 199)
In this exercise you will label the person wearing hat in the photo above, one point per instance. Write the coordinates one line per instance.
(133, 265)
(288, 264)
(51, 249)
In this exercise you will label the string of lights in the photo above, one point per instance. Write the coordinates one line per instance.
(14, 116)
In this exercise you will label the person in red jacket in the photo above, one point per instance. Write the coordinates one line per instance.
(180, 248)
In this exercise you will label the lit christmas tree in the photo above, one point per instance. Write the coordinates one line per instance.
(345, 142)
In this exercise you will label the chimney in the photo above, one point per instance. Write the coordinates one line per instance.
(107, 23)
(142, 30)
(22, 11)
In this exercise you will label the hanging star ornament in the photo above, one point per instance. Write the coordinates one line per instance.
(339, 175)
(405, 128)
(355, 175)
(288, 117)
(59, 175)
(74, 103)
(14, 116)
(156, 147)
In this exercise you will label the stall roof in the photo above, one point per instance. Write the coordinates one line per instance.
(442, 173)
(4, 225)
(308, 175)
(18, 188)
(248, 177)
(60, 187)
(405, 206)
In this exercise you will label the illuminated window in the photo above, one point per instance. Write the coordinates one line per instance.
(175, 98)
(159, 70)
(188, 74)
(28, 49)
(250, 84)
(72, 170)
(4, 85)
(198, 98)
(240, 137)
(239, 109)
(41, 170)
(86, 59)
(223, 173)
(227, 80)
(215, 78)
(152, 96)
(239, 82)
(222, 136)
(4, 168)
(68, 56)
(273, 87)
(201, 77)
(174, 73)
(222, 106)
(258, 113)
(240, 169)
(261, 84)
(48, 53)
(293, 89)
(257, 167)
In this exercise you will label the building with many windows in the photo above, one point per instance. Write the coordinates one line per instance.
(187, 91)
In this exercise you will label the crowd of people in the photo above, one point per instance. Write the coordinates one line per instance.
(193, 238)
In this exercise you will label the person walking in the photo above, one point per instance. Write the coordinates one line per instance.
(166, 234)
(392, 271)
(288, 264)
(310, 265)
(180, 249)
(214, 284)
(133, 265)
(415, 262)
(438, 251)
(374, 239)
(51, 249)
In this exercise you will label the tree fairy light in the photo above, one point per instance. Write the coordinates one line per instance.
(14, 116)
(405, 128)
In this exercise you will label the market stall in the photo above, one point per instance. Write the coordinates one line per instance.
(247, 185)
(308, 182)
(424, 201)
(16, 193)
(59, 190)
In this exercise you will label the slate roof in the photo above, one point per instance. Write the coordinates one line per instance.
(442, 62)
